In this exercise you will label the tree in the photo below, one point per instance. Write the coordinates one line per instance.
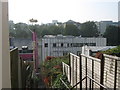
(113, 35)
(22, 31)
(71, 29)
(89, 29)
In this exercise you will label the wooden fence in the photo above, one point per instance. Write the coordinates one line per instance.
(105, 71)
(15, 69)
(19, 74)
(112, 71)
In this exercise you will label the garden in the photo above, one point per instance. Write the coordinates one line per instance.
(52, 72)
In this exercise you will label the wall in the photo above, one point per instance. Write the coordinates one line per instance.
(76, 47)
(14, 60)
(23, 42)
(4, 33)
(28, 42)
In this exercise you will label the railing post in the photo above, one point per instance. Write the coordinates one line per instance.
(72, 69)
(92, 73)
(86, 70)
(102, 72)
(80, 72)
(115, 76)
(70, 66)
(76, 71)
(90, 84)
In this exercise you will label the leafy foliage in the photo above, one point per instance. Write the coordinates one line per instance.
(53, 68)
(21, 30)
(71, 29)
(59, 84)
(113, 35)
(113, 51)
(89, 29)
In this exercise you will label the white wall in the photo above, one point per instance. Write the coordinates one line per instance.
(58, 50)
(4, 47)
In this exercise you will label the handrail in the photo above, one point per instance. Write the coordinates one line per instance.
(74, 55)
(97, 82)
(90, 79)
(79, 82)
(92, 58)
(14, 49)
(112, 57)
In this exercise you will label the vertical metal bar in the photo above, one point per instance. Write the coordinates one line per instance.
(70, 66)
(102, 71)
(115, 76)
(86, 70)
(73, 70)
(92, 73)
(76, 71)
(90, 84)
(80, 72)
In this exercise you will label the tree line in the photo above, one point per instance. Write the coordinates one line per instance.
(86, 29)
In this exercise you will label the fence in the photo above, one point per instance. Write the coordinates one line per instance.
(15, 69)
(112, 72)
(66, 70)
(19, 74)
(98, 72)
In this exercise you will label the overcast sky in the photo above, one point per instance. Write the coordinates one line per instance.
(62, 10)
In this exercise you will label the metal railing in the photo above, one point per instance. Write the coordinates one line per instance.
(90, 83)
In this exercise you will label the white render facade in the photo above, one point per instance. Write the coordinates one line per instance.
(61, 45)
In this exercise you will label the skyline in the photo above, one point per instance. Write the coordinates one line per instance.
(63, 10)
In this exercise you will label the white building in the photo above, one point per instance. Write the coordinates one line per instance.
(92, 50)
(102, 25)
(61, 45)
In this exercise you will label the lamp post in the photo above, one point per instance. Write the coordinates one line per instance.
(35, 46)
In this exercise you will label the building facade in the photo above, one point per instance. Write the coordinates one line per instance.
(62, 45)
(102, 25)
(92, 50)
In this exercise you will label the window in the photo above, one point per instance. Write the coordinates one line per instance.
(46, 44)
(93, 44)
(54, 44)
(68, 45)
(61, 44)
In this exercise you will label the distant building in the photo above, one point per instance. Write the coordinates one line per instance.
(102, 25)
(55, 21)
(92, 50)
(77, 24)
(62, 45)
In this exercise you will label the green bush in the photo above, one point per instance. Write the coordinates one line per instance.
(53, 68)
(113, 51)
